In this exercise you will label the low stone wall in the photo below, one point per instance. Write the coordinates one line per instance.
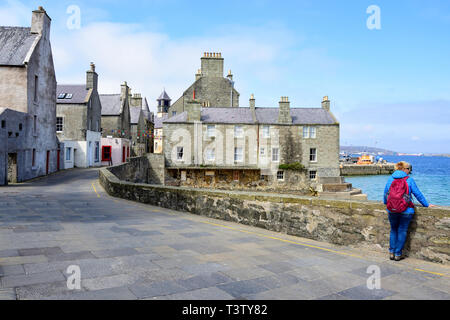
(342, 222)
(366, 170)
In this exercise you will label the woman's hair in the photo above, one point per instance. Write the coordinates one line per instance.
(402, 165)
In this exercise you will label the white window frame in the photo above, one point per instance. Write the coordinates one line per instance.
(238, 156)
(312, 132)
(238, 131)
(277, 155)
(61, 124)
(68, 154)
(210, 130)
(313, 154)
(180, 151)
(280, 173)
(305, 132)
(315, 175)
(266, 132)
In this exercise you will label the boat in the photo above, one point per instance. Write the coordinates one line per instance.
(365, 159)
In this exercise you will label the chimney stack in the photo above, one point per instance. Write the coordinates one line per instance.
(252, 105)
(326, 103)
(124, 91)
(40, 23)
(92, 78)
(230, 75)
(284, 112)
(194, 110)
(212, 64)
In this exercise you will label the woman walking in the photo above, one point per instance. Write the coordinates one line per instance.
(397, 197)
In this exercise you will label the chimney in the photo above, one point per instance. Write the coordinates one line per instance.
(230, 75)
(194, 110)
(124, 91)
(40, 23)
(284, 113)
(136, 100)
(212, 65)
(326, 103)
(198, 75)
(92, 78)
(253, 107)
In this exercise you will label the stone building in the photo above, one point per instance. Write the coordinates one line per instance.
(210, 87)
(116, 126)
(141, 125)
(249, 147)
(78, 122)
(161, 115)
(27, 101)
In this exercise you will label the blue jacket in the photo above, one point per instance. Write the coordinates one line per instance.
(412, 189)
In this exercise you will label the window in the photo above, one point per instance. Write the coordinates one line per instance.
(238, 154)
(3, 124)
(266, 132)
(34, 124)
(174, 113)
(180, 153)
(97, 151)
(62, 95)
(280, 175)
(59, 124)
(68, 153)
(275, 157)
(305, 132)
(106, 153)
(236, 175)
(312, 132)
(33, 158)
(211, 130)
(313, 155)
(36, 88)
(210, 154)
(312, 175)
(262, 152)
(238, 131)
(20, 127)
(69, 96)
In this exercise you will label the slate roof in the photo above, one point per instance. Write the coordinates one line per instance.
(146, 110)
(163, 96)
(78, 91)
(15, 42)
(159, 121)
(135, 112)
(263, 115)
(111, 104)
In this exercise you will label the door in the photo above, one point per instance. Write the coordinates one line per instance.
(47, 162)
(90, 154)
(12, 167)
(123, 154)
(57, 160)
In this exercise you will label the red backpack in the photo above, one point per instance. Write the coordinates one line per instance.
(398, 196)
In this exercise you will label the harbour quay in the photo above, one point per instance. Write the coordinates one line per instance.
(366, 169)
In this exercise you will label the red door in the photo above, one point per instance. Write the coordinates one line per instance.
(47, 162)
(123, 154)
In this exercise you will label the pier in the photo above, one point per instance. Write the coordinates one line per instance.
(366, 169)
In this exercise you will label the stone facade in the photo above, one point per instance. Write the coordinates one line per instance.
(141, 125)
(78, 113)
(210, 88)
(29, 86)
(354, 223)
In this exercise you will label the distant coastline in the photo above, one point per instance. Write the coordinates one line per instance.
(384, 152)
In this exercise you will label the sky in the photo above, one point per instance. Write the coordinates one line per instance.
(389, 86)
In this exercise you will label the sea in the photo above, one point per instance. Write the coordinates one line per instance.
(431, 174)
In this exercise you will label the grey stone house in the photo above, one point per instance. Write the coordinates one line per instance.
(141, 125)
(210, 87)
(244, 147)
(78, 122)
(116, 116)
(27, 101)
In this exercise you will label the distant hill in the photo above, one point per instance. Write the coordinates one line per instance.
(359, 149)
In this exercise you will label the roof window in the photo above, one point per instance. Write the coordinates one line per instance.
(62, 95)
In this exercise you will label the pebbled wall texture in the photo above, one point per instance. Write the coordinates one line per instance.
(342, 222)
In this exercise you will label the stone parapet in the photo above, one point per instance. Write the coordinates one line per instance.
(342, 222)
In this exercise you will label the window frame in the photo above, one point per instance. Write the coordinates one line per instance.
(238, 153)
(180, 150)
(315, 175)
(277, 153)
(60, 124)
(238, 133)
(266, 135)
(311, 154)
(312, 132)
(68, 155)
(210, 152)
(209, 128)
(282, 175)
(103, 153)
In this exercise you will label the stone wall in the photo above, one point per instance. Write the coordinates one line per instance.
(365, 170)
(351, 223)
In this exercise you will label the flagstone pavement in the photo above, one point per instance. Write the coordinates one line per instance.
(128, 250)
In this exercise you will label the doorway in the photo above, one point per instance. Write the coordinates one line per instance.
(12, 167)
(47, 162)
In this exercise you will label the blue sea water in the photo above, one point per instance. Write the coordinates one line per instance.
(432, 176)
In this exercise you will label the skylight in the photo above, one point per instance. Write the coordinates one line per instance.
(69, 96)
(61, 95)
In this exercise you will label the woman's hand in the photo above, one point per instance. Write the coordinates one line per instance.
(432, 206)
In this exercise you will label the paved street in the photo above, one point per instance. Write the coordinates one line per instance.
(127, 250)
